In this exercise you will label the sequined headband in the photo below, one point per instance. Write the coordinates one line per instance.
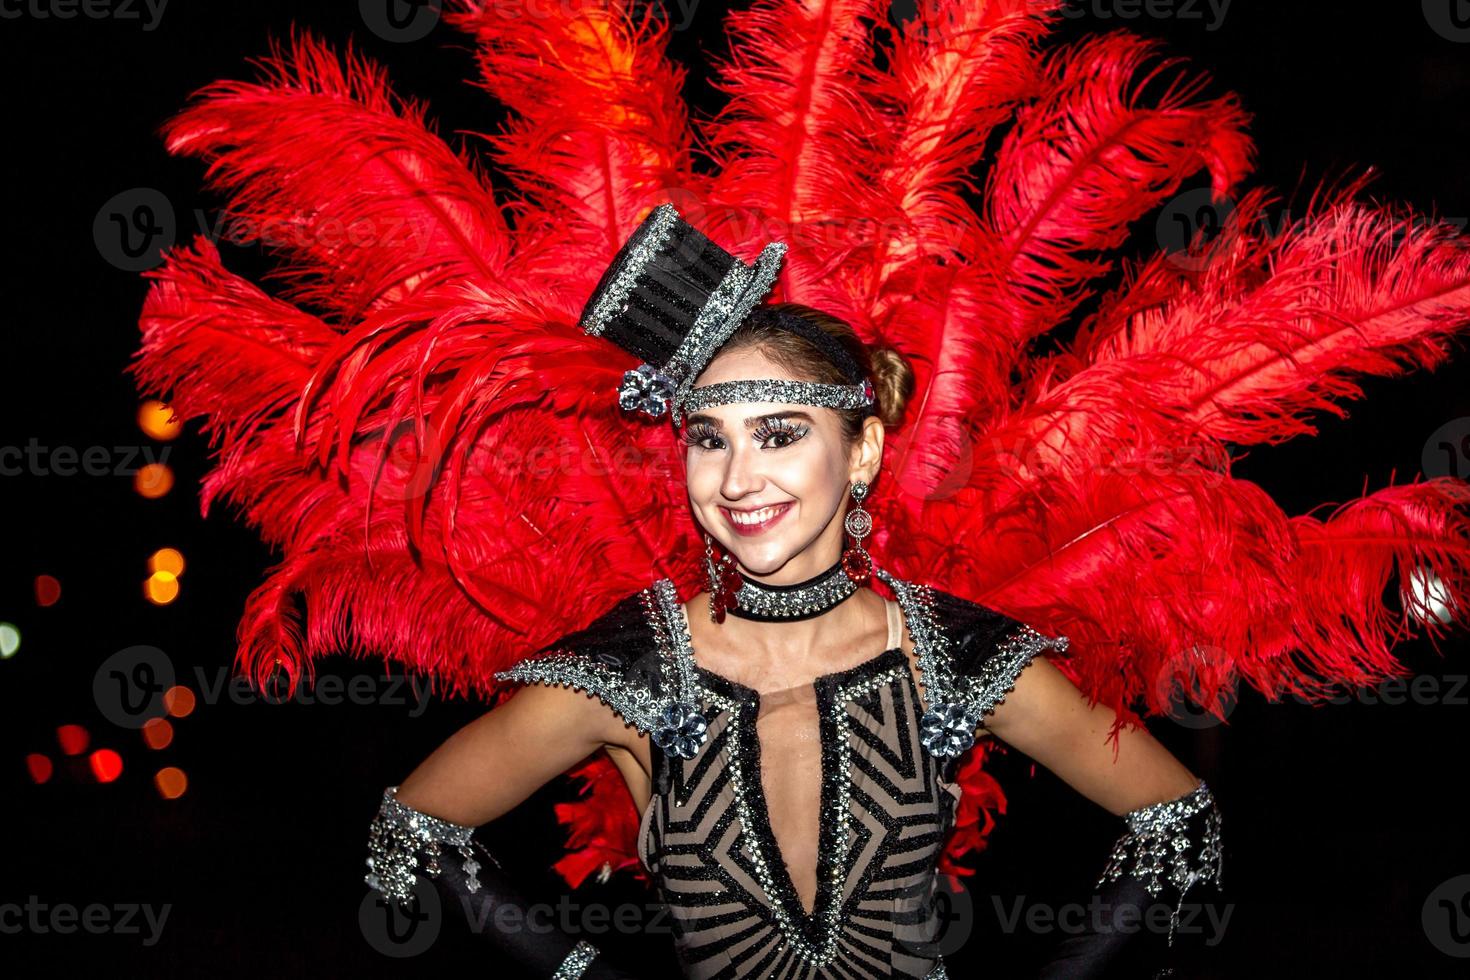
(859, 394)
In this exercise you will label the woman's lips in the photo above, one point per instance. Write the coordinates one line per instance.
(778, 511)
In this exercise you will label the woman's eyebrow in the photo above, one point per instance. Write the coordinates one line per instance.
(754, 420)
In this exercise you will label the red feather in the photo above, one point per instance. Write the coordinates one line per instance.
(437, 452)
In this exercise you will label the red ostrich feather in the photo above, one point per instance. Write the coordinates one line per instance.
(418, 425)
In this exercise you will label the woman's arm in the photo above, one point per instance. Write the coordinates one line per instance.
(494, 763)
(1172, 841)
(479, 773)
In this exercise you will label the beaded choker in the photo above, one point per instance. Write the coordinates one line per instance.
(772, 603)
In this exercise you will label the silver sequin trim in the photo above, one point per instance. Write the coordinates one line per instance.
(997, 676)
(576, 962)
(629, 698)
(1158, 846)
(396, 837)
(615, 296)
(938, 973)
(834, 587)
(779, 390)
(979, 695)
(737, 294)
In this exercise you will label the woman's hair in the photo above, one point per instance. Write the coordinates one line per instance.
(893, 379)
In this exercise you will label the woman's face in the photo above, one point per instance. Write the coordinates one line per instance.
(768, 480)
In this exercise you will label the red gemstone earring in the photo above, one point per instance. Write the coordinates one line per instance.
(856, 562)
(723, 579)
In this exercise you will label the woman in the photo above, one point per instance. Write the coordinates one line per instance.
(789, 735)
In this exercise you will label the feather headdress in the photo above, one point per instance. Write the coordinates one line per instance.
(418, 425)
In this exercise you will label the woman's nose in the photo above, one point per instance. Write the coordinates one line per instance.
(742, 474)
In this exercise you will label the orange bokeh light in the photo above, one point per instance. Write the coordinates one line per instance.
(157, 733)
(171, 782)
(39, 766)
(73, 739)
(153, 480)
(161, 588)
(178, 701)
(166, 560)
(157, 419)
(48, 590)
(106, 765)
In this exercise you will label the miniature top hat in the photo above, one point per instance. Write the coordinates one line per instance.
(673, 297)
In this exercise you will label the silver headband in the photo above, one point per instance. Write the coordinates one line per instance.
(777, 390)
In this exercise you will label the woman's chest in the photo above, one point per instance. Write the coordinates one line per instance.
(807, 826)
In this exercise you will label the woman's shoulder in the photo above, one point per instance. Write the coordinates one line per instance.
(616, 657)
(968, 638)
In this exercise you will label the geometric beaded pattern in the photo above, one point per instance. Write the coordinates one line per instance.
(708, 841)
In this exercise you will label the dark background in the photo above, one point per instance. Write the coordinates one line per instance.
(1340, 819)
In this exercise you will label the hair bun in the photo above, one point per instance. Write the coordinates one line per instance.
(893, 383)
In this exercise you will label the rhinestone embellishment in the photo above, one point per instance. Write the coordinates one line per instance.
(680, 730)
(947, 729)
(1162, 844)
(645, 389)
(399, 835)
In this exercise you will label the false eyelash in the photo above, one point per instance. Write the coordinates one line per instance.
(698, 432)
(773, 427)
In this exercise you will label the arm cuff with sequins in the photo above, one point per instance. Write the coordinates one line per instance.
(1171, 845)
(402, 839)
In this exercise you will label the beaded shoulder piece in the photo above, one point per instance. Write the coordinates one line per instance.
(969, 657)
(616, 658)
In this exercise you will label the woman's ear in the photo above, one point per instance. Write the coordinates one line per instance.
(868, 451)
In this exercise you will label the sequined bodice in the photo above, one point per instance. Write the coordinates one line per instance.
(861, 806)
(881, 812)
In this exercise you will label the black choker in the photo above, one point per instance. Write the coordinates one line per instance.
(777, 603)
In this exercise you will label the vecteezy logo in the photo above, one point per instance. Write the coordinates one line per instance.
(129, 685)
(398, 20)
(402, 929)
(1450, 19)
(939, 925)
(134, 228)
(1446, 917)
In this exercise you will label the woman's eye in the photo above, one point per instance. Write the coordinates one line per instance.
(784, 435)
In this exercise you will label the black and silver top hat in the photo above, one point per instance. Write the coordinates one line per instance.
(673, 297)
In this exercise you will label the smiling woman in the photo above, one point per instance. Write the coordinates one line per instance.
(1024, 526)
(795, 764)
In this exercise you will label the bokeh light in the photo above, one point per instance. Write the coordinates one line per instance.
(73, 739)
(9, 640)
(169, 560)
(157, 419)
(48, 590)
(106, 765)
(171, 782)
(161, 588)
(178, 701)
(39, 766)
(153, 480)
(157, 733)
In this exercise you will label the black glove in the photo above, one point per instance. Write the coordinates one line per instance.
(1171, 851)
(404, 841)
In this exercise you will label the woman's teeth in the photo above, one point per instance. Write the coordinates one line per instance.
(756, 521)
(754, 516)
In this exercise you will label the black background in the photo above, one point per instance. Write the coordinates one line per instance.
(1340, 819)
